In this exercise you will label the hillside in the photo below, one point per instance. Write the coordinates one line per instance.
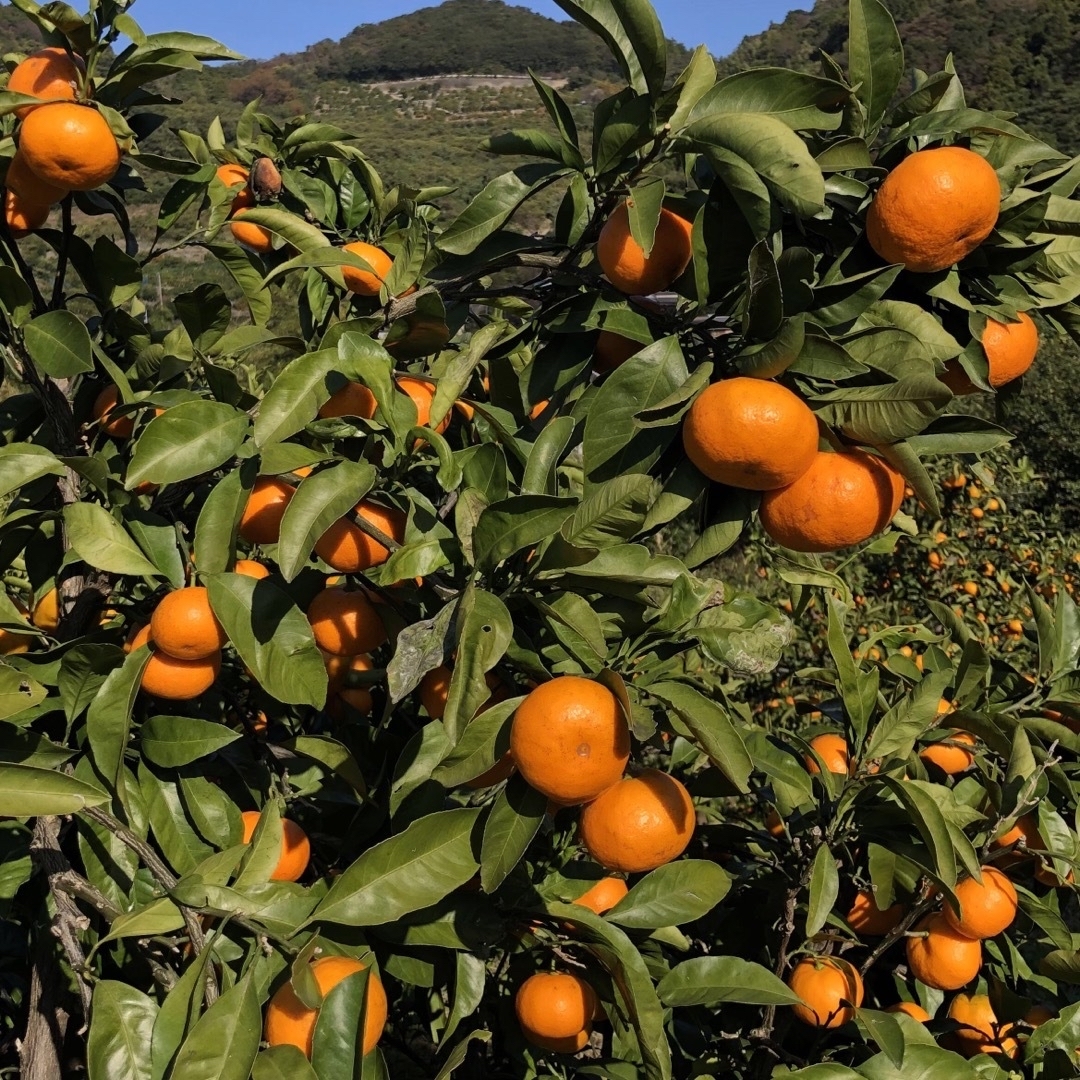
(1019, 55)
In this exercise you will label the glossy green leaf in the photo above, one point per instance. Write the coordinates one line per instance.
(121, 1025)
(672, 895)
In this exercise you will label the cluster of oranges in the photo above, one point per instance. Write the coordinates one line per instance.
(64, 144)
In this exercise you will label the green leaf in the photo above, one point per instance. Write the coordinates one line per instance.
(885, 413)
(102, 542)
(803, 102)
(272, 636)
(711, 728)
(59, 344)
(215, 529)
(297, 394)
(412, 870)
(18, 692)
(824, 889)
(188, 440)
(921, 1062)
(515, 524)
(483, 631)
(729, 511)
(495, 205)
(883, 1029)
(896, 732)
(672, 895)
(122, 1025)
(334, 755)
(160, 916)
(282, 1063)
(612, 512)
(320, 500)
(26, 791)
(224, 1042)
(927, 818)
(875, 57)
(713, 980)
(338, 1040)
(108, 721)
(513, 821)
(22, 463)
(173, 741)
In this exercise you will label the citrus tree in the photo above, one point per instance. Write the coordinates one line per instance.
(354, 723)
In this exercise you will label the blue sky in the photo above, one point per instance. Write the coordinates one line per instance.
(269, 27)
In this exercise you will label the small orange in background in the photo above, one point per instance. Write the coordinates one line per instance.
(184, 627)
(289, 1022)
(348, 549)
(69, 146)
(344, 622)
(604, 895)
(47, 73)
(261, 521)
(824, 983)
(865, 917)
(502, 770)
(295, 847)
(119, 427)
(339, 668)
(840, 500)
(613, 350)
(623, 259)
(934, 209)
(986, 909)
(46, 614)
(556, 1011)
(950, 758)
(569, 739)
(13, 643)
(640, 823)
(353, 399)
(750, 433)
(251, 568)
(942, 959)
(367, 282)
(833, 750)
(909, 1008)
(980, 1032)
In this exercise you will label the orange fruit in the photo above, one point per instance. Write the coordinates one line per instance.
(184, 626)
(840, 500)
(623, 259)
(604, 895)
(1010, 349)
(339, 668)
(295, 847)
(824, 983)
(774, 824)
(833, 750)
(261, 520)
(232, 175)
(48, 73)
(22, 217)
(934, 209)
(289, 1022)
(69, 146)
(46, 614)
(909, 1008)
(33, 190)
(638, 824)
(176, 680)
(500, 771)
(353, 399)
(12, 643)
(750, 433)
(570, 739)
(613, 349)
(950, 759)
(986, 909)
(251, 568)
(556, 1010)
(980, 1032)
(865, 917)
(345, 622)
(943, 959)
(256, 238)
(349, 549)
(367, 282)
(434, 690)
(1038, 1015)
(120, 427)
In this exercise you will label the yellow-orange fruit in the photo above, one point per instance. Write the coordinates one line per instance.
(367, 282)
(47, 74)
(909, 1008)
(256, 238)
(623, 259)
(833, 750)
(750, 433)
(980, 1032)
(950, 759)
(824, 983)
(555, 1011)
(184, 626)
(604, 895)
(943, 959)
(22, 217)
(32, 189)
(69, 146)
(261, 521)
(865, 917)
(344, 622)
(934, 209)
(177, 680)
(251, 568)
(295, 846)
(986, 908)
(347, 548)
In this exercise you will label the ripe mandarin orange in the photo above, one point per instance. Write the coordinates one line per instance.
(69, 146)
(176, 680)
(500, 771)
(256, 238)
(12, 642)
(347, 548)
(22, 217)
(934, 209)
(367, 282)
(833, 750)
(865, 917)
(1010, 348)
(184, 626)
(261, 520)
(570, 739)
(943, 959)
(46, 614)
(841, 499)
(295, 847)
(251, 568)
(353, 399)
(48, 73)
(613, 349)
(289, 1022)
(909, 1008)
(640, 823)
(1026, 829)
(339, 668)
(556, 1011)
(232, 175)
(623, 259)
(986, 909)
(119, 427)
(824, 983)
(345, 622)
(20, 177)
(434, 690)
(604, 895)
(750, 433)
(950, 759)
(980, 1032)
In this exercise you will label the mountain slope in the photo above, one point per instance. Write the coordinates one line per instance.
(1018, 55)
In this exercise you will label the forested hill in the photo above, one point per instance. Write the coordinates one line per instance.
(1020, 55)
